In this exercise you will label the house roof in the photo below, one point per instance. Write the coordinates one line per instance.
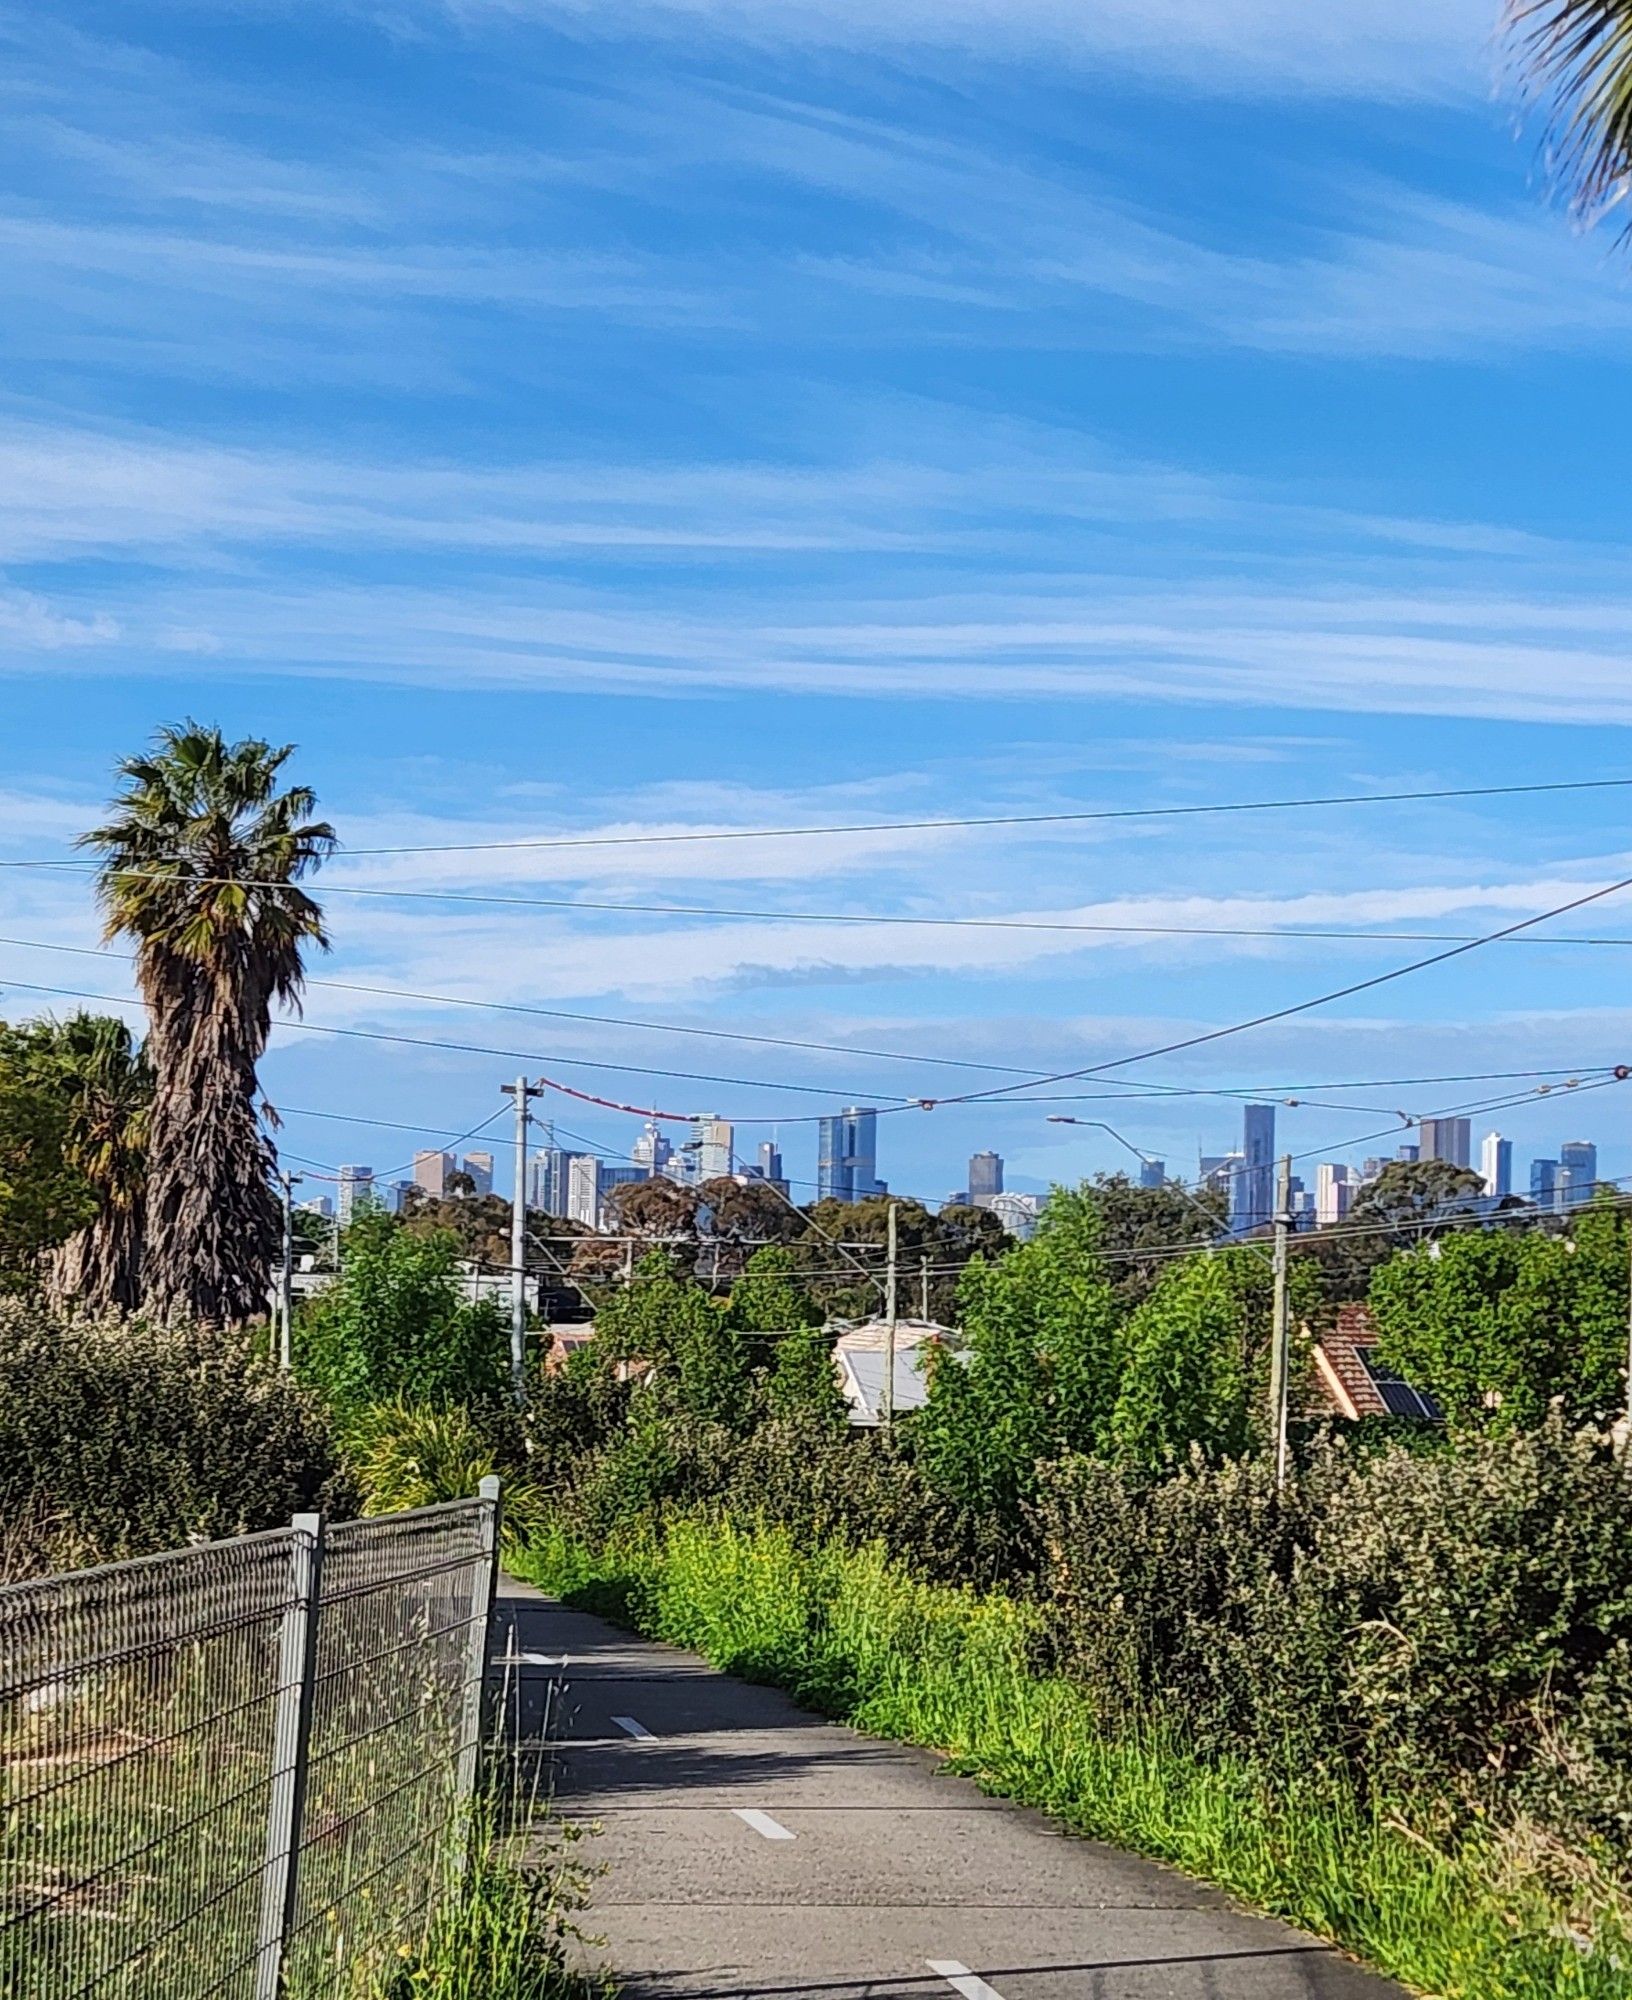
(861, 1380)
(873, 1334)
(1355, 1382)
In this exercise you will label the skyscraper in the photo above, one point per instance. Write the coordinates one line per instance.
(714, 1141)
(651, 1152)
(584, 1189)
(847, 1157)
(769, 1167)
(1496, 1165)
(355, 1193)
(1448, 1139)
(1152, 1173)
(985, 1178)
(431, 1171)
(1543, 1182)
(479, 1166)
(547, 1181)
(1335, 1188)
(1252, 1189)
(1579, 1159)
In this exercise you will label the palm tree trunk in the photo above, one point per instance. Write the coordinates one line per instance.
(98, 1269)
(212, 1221)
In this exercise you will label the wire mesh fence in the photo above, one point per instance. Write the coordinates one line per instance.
(241, 1770)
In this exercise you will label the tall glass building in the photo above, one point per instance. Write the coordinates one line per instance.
(1579, 1159)
(1252, 1184)
(847, 1156)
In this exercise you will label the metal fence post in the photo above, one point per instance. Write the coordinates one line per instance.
(483, 1588)
(291, 1743)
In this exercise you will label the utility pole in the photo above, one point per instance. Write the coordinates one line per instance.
(286, 1276)
(889, 1327)
(923, 1288)
(522, 1091)
(1280, 1368)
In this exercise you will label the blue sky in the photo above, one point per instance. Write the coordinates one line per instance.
(571, 418)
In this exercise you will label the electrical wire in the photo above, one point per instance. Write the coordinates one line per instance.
(1073, 818)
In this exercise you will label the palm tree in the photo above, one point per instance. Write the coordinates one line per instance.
(1578, 54)
(200, 862)
(101, 1073)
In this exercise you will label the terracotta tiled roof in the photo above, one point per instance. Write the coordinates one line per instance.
(1354, 1383)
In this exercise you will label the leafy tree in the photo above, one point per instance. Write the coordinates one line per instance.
(663, 1320)
(395, 1325)
(1134, 1225)
(200, 862)
(803, 1384)
(739, 1216)
(1195, 1363)
(1410, 1201)
(96, 1066)
(1042, 1327)
(767, 1298)
(1497, 1325)
(44, 1198)
(947, 1241)
(656, 1207)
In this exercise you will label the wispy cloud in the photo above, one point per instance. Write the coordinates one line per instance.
(1348, 47)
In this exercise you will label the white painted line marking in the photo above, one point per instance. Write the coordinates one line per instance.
(530, 1659)
(962, 1980)
(762, 1823)
(631, 1727)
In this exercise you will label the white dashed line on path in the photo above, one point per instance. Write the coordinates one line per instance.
(637, 1730)
(962, 1980)
(762, 1823)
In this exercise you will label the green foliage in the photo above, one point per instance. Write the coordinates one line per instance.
(767, 1298)
(1132, 1226)
(1195, 1359)
(803, 1385)
(1039, 1371)
(1410, 1202)
(1497, 1325)
(405, 1455)
(118, 1438)
(670, 1327)
(394, 1325)
(44, 1197)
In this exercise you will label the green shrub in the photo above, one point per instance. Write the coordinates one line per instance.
(395, 1324)
(118, 1438)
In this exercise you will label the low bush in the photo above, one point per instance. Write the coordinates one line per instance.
(119, 1438)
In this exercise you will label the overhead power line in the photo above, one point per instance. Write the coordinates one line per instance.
(1084, 817)
(1305, 1006)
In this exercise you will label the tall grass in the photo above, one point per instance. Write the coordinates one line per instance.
(847, 1631)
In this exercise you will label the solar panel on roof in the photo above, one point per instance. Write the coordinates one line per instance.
(1400, 1399)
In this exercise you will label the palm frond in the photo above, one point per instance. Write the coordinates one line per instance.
(1577, 55)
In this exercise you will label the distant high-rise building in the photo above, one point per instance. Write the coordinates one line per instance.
(847, 1157)
(1496, 1165)
(985, 1178)
(1543, 1182)
(584, 1189)
(610, 1177)
(1335, 1188)
(431, 1171)
(1579, 1159)
(354, 1194)
(397, 1195)
(715, 1143)
(318, 1205)
(1407, 1153)
(1152, 1173)
(479, 1166)
(1252, 1189)
(1018, 1213)
(547, 1181)
(651, 1152)
(768, 1167)
(1218, 1171)
(1370, 1169)
(1448, 1139)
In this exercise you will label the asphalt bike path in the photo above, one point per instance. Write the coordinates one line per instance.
(753, 1851)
